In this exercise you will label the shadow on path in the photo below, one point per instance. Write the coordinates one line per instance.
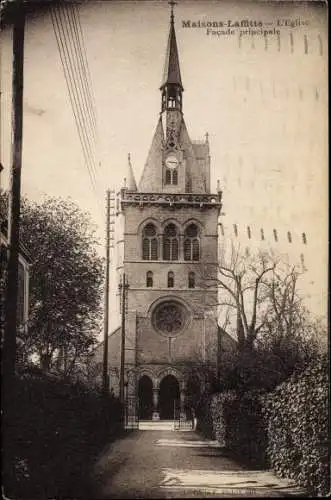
(169, 464)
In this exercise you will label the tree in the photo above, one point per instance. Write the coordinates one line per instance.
(65, 282)
(290, 333)
(242, 284)
(276, 335)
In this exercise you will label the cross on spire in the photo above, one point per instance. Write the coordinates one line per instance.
(172, 3)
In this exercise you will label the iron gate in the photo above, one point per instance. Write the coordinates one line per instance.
(180, 418)
(131, 413)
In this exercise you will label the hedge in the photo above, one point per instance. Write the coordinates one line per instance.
(297, 415)
(55, 429)
(239, 425)
(286, 429)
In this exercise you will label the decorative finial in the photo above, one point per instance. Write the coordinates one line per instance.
(129, 157)
(172, 3)
(207, 137)
(124, 180)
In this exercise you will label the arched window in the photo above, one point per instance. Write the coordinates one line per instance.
(192, 243)
(150, 243)
(170, 243)
(191, 279)
(149, 279)
(171, 279)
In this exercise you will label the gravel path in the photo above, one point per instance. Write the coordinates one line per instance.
(174, 464)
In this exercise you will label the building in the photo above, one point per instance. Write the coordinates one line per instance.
(170, 236)
(24, 263)
(169, 244)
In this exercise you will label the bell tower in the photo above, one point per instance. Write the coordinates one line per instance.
(169, 242)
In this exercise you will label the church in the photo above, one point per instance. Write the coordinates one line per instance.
(170, 236)
(166, 245)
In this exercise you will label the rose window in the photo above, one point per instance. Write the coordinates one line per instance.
(169, 318)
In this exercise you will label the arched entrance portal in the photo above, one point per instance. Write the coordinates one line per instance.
(169, 394)
(145, 395)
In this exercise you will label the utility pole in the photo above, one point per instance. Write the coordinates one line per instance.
(14, 199)
(105, 376)
(14, 202)
(110, 221)
(123, 288)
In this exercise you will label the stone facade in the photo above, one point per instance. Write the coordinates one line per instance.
(167, 245)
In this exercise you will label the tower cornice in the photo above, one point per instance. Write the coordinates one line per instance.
(176, 201)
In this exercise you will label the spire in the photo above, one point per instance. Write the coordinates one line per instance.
(129, 180)
(172, 81)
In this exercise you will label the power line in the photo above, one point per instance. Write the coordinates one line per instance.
(79, 101)
(86, 65)
(83, 83)
(75, 93)
(80, 70)
(71, 94)
(84, 61)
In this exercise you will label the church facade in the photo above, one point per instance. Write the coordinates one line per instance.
(167, 249)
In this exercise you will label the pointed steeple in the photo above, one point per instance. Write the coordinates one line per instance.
(171, 73)
(172, 86)
(129, 180)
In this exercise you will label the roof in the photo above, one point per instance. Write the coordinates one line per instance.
(129, 176)
(151, 178)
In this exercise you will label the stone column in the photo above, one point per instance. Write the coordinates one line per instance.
(181, 246)
(160, 246)
(155, 415)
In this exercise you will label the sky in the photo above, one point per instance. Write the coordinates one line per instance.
(263, 101)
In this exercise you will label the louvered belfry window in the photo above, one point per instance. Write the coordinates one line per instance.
(171, 177)
(150, 246)
(192, 243)
(170, 243)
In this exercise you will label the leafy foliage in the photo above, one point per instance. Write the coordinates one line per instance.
(286, 429)
(56, 429)
(66, 278)
(236, 421)
(297, 414)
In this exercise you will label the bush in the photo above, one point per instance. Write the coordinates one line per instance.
(238, 424)
(297, 414)
(286, 429)
(204, 417)
(253, 369)
(55, 428)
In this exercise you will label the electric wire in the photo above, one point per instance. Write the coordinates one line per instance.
(86, 71)
(75, 77)
(75, 95)
(72, 97)
(85, 60)
(72, 14)
(78, 59)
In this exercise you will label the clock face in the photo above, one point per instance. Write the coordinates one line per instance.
(171, 162)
